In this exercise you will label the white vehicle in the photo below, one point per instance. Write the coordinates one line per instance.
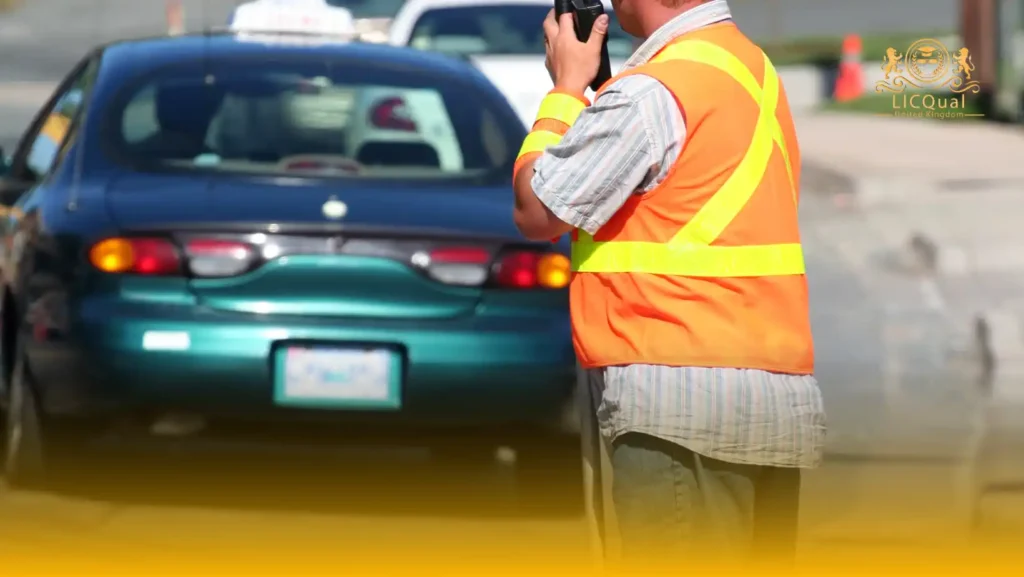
(372, 17)
(369, 114)
(410, 115)
(502, 37)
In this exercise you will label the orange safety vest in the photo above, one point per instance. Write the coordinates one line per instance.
(706, 269)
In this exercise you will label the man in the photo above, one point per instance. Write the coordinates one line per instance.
(679, 185)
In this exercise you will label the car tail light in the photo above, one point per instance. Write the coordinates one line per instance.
(532, 269)
(304, 165)
(219, 258)
(474, 266)
(161, 257)
(144, 256)
(392, 114)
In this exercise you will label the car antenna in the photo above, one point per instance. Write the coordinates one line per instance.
(208, 77)
(98, 18)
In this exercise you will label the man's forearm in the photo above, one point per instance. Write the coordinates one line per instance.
(523, 186)
(533, 219)
(557, 114)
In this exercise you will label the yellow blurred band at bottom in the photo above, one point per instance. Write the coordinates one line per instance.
(416, 554)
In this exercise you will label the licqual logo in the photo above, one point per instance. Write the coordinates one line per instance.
(927, 80)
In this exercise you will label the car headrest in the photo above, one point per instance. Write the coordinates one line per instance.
(186, 106)
(386, 153)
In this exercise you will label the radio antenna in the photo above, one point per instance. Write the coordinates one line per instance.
(81, 114)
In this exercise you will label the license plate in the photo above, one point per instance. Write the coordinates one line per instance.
(341, 378)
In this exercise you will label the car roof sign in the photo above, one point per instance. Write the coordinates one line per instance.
(296, 17)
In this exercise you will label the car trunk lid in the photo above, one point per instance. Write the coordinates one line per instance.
(307, 263)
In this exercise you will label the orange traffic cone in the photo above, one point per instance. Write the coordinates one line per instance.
(175, 18)
(850, 82)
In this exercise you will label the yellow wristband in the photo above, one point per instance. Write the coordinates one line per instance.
(561, 107)
(538, 140)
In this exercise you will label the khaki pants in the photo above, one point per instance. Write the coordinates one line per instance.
(597, 471)
(770, 519)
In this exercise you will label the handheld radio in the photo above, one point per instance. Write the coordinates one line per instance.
(584, 14)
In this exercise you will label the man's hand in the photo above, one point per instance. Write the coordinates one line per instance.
(573, 65)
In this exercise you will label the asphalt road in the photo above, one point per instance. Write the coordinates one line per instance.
(900, 420)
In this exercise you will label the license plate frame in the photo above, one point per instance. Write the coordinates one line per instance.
(381, 359)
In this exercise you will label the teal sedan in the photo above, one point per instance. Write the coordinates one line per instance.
(193, 247)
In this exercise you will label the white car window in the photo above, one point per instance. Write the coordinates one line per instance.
(503, 29)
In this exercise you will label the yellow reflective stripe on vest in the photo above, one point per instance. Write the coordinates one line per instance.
(692, 261)
(538, 141)
(560, 107)
(722, 208)
(720, 58)
(689, 252)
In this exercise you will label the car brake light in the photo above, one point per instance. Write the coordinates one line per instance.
(474, 266)
(392, 114)
(304, 165)
(532, 269)
(144, 256)
(219, 258)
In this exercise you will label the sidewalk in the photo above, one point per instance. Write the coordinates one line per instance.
(933, 208)
(863, 147)
(958, 187)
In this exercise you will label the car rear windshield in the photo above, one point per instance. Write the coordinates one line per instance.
(300, 117)
(506, 29)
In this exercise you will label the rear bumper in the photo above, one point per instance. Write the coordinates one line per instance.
(486, 370)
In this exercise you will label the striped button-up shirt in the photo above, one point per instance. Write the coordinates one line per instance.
(624, 144)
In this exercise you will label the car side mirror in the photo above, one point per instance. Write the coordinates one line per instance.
(10, 193)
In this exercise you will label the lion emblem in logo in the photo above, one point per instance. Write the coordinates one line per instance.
(891, 64)
(927, 64)
(963, 64)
